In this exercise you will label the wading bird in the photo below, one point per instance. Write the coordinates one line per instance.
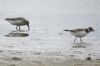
(80, 32)
(19, 21)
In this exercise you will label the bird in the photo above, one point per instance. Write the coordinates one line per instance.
(18, 21)
(80, 32)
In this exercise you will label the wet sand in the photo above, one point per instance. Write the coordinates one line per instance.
(44, 58)
(47, 48)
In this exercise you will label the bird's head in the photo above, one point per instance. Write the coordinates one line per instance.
(28, 25)
(90, 29)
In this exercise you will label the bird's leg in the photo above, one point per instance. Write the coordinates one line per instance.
(16, 27)
(75, 39)
(19, 27)
(80, 39)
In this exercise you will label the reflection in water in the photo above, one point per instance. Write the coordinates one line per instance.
(17, 34)
(80, 45)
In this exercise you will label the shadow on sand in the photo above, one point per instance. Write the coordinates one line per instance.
(17, 34)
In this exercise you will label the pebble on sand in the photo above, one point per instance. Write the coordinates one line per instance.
(88, 58)
(16, 58)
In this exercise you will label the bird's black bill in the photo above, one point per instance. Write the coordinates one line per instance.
(28, 27)
(93, 30)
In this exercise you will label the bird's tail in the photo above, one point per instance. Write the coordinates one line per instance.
(67, 30)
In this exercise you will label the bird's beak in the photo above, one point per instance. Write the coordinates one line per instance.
(93, 30)
(28, 27)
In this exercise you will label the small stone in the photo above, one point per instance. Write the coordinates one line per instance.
(1, 51)
(60, 33)
(13, 65)
(88, 58)
(16, 58)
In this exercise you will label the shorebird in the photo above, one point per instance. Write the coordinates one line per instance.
(80, 32)
(19, 21)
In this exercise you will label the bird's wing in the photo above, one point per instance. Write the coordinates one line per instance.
(77, 30)
(19, 18)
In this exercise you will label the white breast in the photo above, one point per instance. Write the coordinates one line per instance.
(79, 33)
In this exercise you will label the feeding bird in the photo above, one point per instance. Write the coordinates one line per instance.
(19, 21)
(80, 32)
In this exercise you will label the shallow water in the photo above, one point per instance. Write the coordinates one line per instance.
(51, 38)
(46, 35)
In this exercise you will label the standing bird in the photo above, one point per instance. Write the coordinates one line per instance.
(80, 32)
(19, 21)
